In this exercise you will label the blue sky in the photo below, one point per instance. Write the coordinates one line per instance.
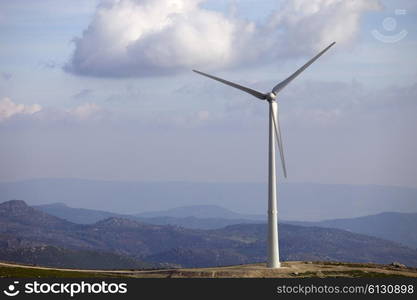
(75, 103)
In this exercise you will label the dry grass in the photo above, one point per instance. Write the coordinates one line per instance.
(293, 269)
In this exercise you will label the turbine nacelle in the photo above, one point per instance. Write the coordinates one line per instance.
(271, 96)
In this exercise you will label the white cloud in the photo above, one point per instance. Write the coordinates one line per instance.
(148, 37)
(8, 109)
(85, 111)
(312, 24)
(136, 37)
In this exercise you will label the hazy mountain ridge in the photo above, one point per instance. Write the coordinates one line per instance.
(187, 247)
(398, 227)
(297, 201)
(388, 225)
(16, 211)
(76, 215)
(186, 218)
(200, 212)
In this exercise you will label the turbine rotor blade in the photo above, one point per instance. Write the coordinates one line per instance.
(257, 94)
(285, 82)
(275, 119)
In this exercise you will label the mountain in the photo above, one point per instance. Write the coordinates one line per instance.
(173, 245)
(120, 235)
(388, 225)
(17, 212)
(296, 243)
(297, 201)
(76, 215)
(90, 216)
(197, 223)
(315, 243)
(26, 236)
(200, 211)
(398, 227)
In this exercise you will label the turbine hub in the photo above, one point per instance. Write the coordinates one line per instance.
(271, 96)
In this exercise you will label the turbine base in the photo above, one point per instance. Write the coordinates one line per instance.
(274, 266)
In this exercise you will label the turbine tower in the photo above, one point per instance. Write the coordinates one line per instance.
(274, 137)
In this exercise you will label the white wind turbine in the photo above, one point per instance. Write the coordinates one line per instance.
(274, 136)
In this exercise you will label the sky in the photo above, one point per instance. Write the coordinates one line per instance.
(103, 89)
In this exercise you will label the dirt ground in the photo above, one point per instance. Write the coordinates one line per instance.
(295, 269)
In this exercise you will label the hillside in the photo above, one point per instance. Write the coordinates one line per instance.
(398, 227)
(389, 225)
(77, 215)
(51, 256)
(18, 212)
(182, 216)
(177, 246)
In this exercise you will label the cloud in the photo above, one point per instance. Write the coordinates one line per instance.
(307, 25)
(9, 109)
(85, 111)
(128, 38)
(81, 113)
(142, 37)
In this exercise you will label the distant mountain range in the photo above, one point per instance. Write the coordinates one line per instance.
(397, 227)
(217, 217)
(24, 229)
(201, 212)
(297, 201)
(32, 237)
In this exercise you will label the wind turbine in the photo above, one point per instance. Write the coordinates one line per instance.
(274, 137)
